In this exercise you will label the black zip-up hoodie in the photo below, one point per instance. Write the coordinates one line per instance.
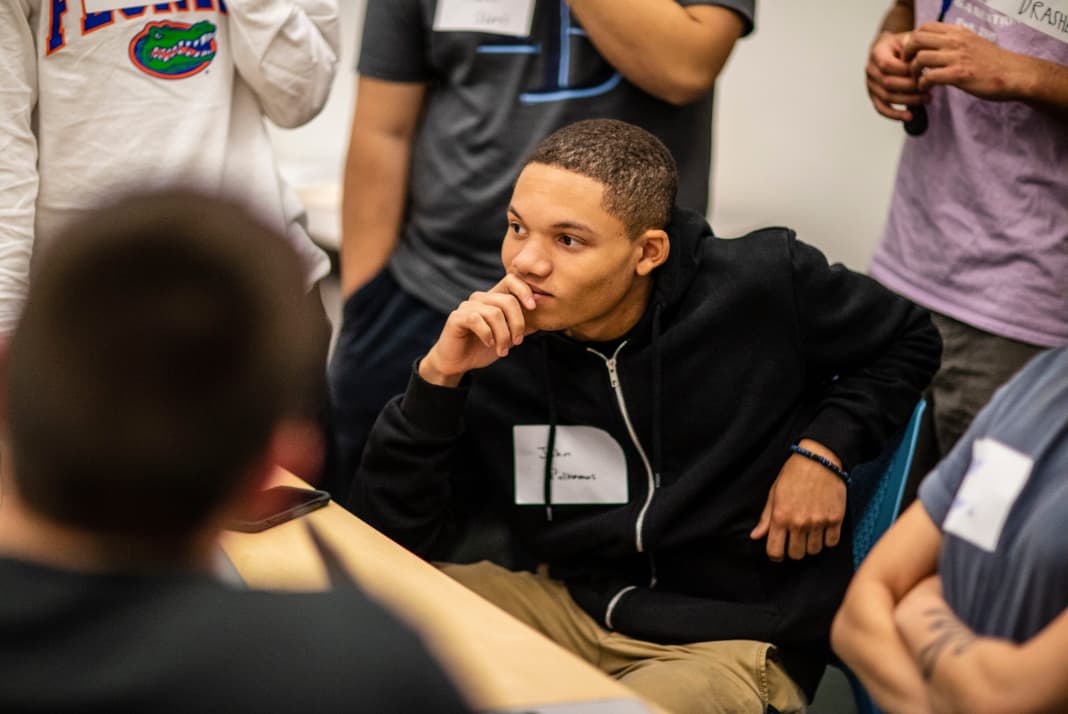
(747, 346)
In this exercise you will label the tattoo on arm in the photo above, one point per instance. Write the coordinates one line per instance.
(949, 633)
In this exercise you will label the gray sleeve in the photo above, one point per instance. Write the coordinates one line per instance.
(746, 9)
(393, 47)
(940, 487)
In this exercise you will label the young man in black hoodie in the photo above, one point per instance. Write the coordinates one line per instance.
(148, 388)
(660, 417)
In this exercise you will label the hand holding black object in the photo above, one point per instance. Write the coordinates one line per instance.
(889, 78)
(917, 125)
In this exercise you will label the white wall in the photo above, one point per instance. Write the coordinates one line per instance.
(797, 142)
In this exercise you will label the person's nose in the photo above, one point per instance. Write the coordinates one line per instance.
(532, 259)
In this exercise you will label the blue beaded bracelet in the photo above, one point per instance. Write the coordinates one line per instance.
(822, 461)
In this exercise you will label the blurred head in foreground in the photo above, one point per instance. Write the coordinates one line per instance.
(164, 345)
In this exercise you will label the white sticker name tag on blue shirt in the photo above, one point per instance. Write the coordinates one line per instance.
(986, 495)
(498, 17)
(589, 466)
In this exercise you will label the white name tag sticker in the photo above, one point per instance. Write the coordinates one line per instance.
(1047, 16)
(498, 17)
(104, 5)
(987, 493)
(589, 466)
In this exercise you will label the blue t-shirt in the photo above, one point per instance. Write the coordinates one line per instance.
(1001, 501)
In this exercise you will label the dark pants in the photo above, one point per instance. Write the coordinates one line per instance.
(975, 363)
(383, 331)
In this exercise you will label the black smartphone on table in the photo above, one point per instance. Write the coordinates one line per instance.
(278, 505)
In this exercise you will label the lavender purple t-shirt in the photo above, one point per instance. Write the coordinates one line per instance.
(978, 226)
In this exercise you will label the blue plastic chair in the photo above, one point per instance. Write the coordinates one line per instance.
(879, 505)
(883, 505)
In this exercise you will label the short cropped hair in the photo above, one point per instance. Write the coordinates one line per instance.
(638, 172)
(162, 340)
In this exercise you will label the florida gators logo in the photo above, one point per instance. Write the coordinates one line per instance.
(174, 50)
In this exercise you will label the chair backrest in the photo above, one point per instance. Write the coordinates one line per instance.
(888, 473)
(879, 505)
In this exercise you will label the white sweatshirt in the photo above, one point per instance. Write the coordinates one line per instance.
(94, 103)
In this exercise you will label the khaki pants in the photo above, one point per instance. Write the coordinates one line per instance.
(729, 677)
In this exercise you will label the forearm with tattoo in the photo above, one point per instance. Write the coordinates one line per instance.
(948, 633)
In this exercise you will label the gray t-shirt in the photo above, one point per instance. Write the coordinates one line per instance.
(491, 99)
(1001, 500)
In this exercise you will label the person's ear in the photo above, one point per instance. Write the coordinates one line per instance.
(655, 247)
(5, 452)
(3, 384)
(298, 447)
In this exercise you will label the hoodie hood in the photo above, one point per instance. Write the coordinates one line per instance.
(687, 232)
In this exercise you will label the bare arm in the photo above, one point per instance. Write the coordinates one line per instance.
(18, 158)
(1045, 87)
(376, 176)
(941, 53)
(901, 17)
(673, 52)
(864, 633)
(975, 675)
(286, 50)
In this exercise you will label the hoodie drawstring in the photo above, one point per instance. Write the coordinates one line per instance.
(550, 446)
(656, 395)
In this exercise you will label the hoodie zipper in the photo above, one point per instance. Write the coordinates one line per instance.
(613, 378)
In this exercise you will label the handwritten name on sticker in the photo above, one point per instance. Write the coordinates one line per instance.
(1049, 17)
(497, 17)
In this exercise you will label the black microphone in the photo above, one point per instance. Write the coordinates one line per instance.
(917, 125)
